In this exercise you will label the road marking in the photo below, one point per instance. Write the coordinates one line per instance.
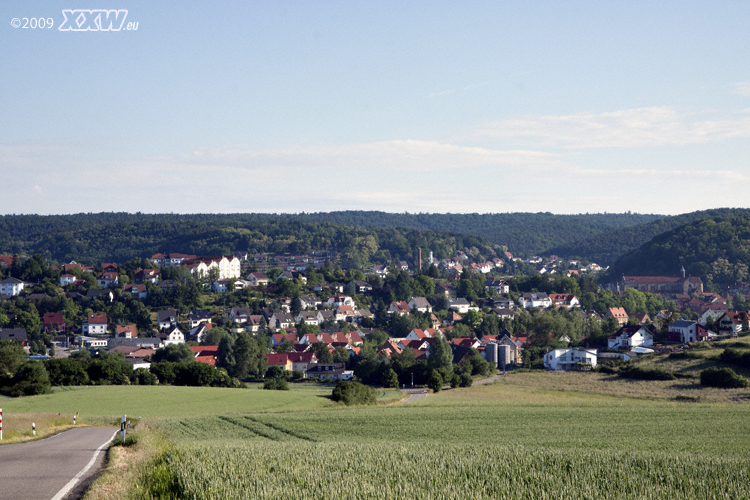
(71, 484)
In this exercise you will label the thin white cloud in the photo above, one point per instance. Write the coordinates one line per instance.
(630, 128)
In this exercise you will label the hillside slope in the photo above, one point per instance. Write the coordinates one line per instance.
(715, 248)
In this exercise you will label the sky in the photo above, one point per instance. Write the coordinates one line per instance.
(402, 106)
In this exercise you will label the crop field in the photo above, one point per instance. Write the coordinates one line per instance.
(494, 441)
(161, 401)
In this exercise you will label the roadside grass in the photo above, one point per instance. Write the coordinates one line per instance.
(128, 466)
(17, 427)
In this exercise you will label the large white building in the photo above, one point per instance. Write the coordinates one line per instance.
(569, 359)
(11, 286)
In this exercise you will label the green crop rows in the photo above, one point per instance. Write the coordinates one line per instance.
(344, 470)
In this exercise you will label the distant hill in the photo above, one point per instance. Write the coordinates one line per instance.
(606, 247)
(522, 233)
(715, 248)
(103, 237)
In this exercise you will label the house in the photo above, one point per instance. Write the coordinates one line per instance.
(618, 313)
(345, 313)
(631, 336)
(667, 285)
(258, 279)
(302, 360)
(447, 289)
(688, 331)
(279, 359)
(339, 299)
(362, 286)
(205, 354)
(640, 318)
(712, 312)
(172, 336)
(381, 271)
(459, 305)
(566, 300)
(14, 335)
(67, 279)
(280, 320)
(418, 334)
(6, 261)
(95, 324)
(399, 308)
(309, 301)
(239, 315)
(53, 322)
(570, 359)
(152, 275)
(11, 286)
(514, 347)
(108, 279)
(452, 318)
(498, 286)
(308, 318)
(136, 291)
(279, 338)
(198, 316)
(534, 299)
(220, 286)
(254, 322)
(166, 318)
(199, 332)
(420, 304)
(389, 348)
(126, 331)
(732, 321)
(329, 371)
(326, 315)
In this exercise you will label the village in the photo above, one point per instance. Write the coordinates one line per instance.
(339, 314)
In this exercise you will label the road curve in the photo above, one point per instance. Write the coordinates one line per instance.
(417, 394)
(49, 468)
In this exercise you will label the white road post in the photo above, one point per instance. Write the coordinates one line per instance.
(1, 424)
(122, 428)
(33, 428)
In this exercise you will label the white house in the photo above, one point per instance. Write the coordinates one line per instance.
(11, 286)
(67, 279)
(631, 336)
(173, 336)
(459, 305)
(95, 324)
(534, 299)
(420, 304)
(569, 359)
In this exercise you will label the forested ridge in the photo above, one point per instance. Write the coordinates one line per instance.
(357, 237)
(717, 249)
(94, 238)
(522, 233)
(606, 247)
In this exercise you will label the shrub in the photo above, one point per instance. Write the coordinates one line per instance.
(353, 393)
(435, 382)
(30, 379)
(734, 357)
(725, 378)
(466, 380)
(276, 384)
(637, 373)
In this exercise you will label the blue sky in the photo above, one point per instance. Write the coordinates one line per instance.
(418, 106)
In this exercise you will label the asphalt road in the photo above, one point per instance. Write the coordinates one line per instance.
(49, 468)
(417, 394)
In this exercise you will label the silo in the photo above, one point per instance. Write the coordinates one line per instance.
(503, 356)
(490, 353)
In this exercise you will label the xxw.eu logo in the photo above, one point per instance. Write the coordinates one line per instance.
(94, 20)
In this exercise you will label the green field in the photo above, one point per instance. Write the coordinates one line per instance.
(495, 441)
(164, 401)
(516, 438)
